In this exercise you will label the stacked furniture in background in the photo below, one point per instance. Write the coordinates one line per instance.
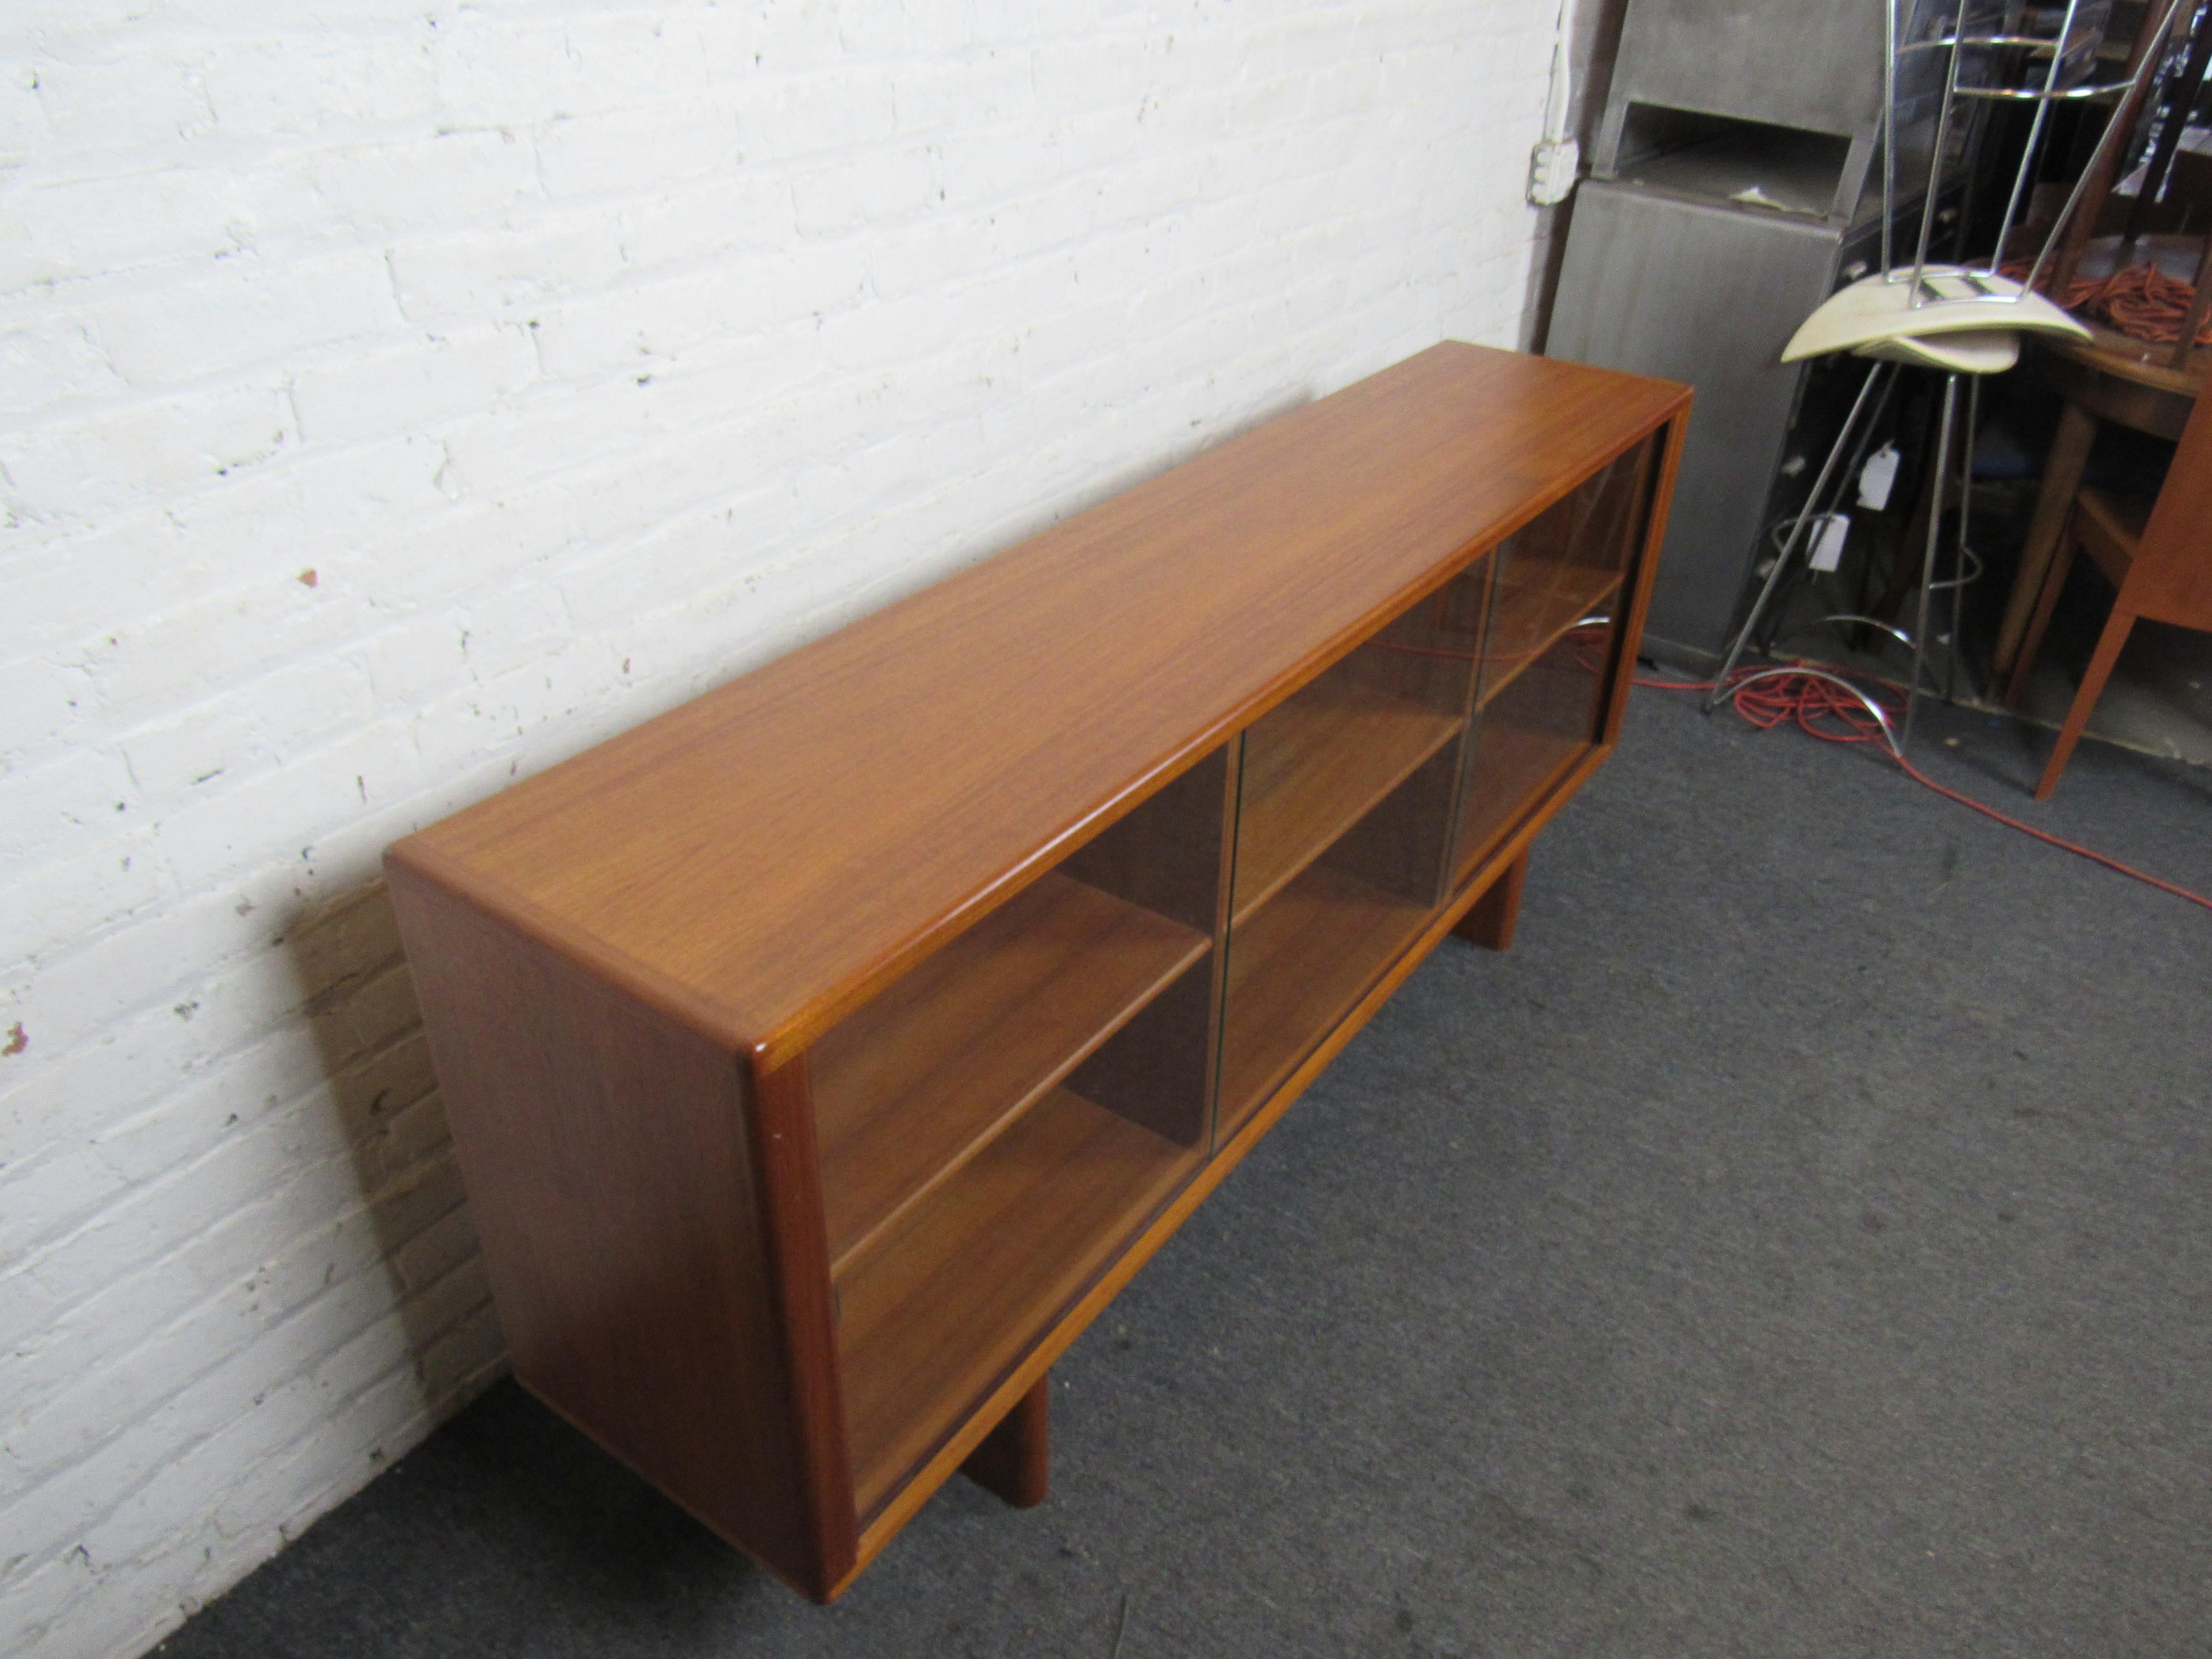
(2157, 554)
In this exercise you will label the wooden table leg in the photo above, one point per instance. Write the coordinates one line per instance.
(2062, 477)
(1015, 1460)
(2092, 686)
(1489, 921)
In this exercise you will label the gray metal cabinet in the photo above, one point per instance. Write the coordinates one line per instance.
(1734, 186)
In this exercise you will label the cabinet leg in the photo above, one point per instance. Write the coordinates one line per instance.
(1490, 921)
(1015, 1460)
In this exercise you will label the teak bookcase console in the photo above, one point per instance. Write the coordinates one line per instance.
(824, 1054)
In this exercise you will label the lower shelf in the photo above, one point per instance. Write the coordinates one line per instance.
(912, 1085)
(1489, 824)
(1294, 971)
(1524, 745)
(955, 1293)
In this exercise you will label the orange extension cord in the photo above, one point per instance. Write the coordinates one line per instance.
(1826, 710)
(2141, 301)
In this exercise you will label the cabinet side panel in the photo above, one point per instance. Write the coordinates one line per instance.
(605, 1149)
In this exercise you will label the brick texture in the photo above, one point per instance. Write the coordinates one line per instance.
(396, 397)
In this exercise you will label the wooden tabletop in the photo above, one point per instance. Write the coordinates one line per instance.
(760, 860)
(2108, 351)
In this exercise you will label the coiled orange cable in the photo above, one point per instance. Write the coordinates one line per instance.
(2142, 301)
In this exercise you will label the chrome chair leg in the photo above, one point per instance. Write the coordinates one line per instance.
(1813, 512)
(1941, 481)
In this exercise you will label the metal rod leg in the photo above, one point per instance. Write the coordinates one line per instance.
(1942, 462)
(1797, 535)
(1964, 543)
(1851, 470)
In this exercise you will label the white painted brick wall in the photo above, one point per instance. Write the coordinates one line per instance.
(399, 395)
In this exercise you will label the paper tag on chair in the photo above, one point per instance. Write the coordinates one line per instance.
(1878, 477)
(1828, 547)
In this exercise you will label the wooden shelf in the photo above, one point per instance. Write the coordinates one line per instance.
(917, 1083)
(981, 1268)
(1295, 971)
(1534, 612)
(1314, 766)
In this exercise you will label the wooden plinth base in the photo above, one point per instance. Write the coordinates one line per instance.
(1490, 921)
(1015, 1460)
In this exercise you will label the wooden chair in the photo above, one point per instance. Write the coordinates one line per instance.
(2146, 386)
(2113, 378)
(2159, 555)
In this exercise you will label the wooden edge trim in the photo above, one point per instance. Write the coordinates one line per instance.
(1646, 579)
(787, 1176)
(1210, 1174)
(1224, 900)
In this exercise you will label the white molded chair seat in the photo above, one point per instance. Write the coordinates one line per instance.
(1878, 310)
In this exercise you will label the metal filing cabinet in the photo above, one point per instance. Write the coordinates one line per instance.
(1734, 186)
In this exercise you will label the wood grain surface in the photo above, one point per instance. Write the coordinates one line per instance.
(2173, 579)
(1295, 969)
(759, 861)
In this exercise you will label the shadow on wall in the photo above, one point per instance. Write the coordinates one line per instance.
(357, 995)
(358, 999)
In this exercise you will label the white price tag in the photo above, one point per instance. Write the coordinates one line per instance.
(1878, 477)
(1828, 545)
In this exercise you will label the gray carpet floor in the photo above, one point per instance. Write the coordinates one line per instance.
(1797, 1244)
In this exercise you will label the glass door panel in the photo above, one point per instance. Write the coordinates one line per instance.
(1548, 655)
(1344, 810)
(1529, 735)
(1009, 1112)
(1566, 565)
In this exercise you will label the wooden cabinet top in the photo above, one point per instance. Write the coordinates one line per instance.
(758, 862)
